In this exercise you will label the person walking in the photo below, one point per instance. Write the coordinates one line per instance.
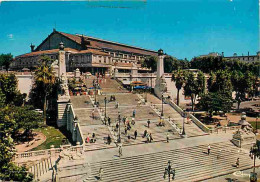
(109, 121)
(237, 163)
(148, 123)
(208, 149)
(124, 119)
(125, 130)
(135, 134)
(100, 172)
(93, 114)
(93, 138)
(134, 112)
(108, 139)
(88, 138)
(117, 126)
(145, 133)
(105, 121)
(133, 121)
(147, 137)
(151, 138)
(167, 137)
(120, 151)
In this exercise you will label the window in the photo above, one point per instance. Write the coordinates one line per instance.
(99, 61)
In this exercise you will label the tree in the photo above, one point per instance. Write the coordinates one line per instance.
(200, 83)
(194, 86)
(8, 86)
(239, 86)
(5, 60)
(208, 64)
(27, 119)
(220, 81)
(8, 170)
(150, 62)
(44, 83)
(215, 102)
(179, 77)
(190, 88)
(168, 64)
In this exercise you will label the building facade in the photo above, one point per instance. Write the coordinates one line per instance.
(86, 53)
(243, 58)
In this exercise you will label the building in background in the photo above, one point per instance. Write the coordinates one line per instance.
(86, 53)
(243, 58)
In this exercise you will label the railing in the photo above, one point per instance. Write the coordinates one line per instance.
(223, 129)
(193, 118)
(52, 152)
(199, 123)
(74, 125)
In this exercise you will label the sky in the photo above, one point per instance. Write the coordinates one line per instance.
(182, 28)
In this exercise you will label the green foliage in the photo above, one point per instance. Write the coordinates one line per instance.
(190, 88)
(44, 85)
(8, 170)
(220, 81)
(242, 84)
(150, 62)
(209, 64)
(200, 83)
(10, 93)
(171, 64)
(53, 135)
(8, 124)
(215, 102)
(5, 60)
(179, 77)
(27, 119)
(15, 173)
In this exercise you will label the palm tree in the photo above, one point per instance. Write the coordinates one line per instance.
(45, 78)
(190, 88)
(179, 76)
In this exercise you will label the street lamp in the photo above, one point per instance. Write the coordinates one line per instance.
(256, 123)
(119, 119)
(183, 129)
(168, 171)
(105, 106)
(162, 105)
(95, 86)
(254, 152)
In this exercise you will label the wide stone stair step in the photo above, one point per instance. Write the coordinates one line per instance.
(192, 164)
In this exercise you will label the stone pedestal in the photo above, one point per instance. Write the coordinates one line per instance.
(62, 64)
(160, 86)
(241, 138)
(77, 74)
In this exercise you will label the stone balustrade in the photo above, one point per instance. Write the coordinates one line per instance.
(202, 126)
(53, 152)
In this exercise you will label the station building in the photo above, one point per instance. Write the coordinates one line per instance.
(86, 53)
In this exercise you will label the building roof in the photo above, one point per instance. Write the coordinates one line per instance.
(96, 43)
(52, 51)
(45, 52)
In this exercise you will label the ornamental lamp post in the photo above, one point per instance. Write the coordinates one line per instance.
(119, 119)
(168, 171)
(105, 106)
(95, 86)
(254, 152)
(256, 123)
(183, 129)
(162, 105)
